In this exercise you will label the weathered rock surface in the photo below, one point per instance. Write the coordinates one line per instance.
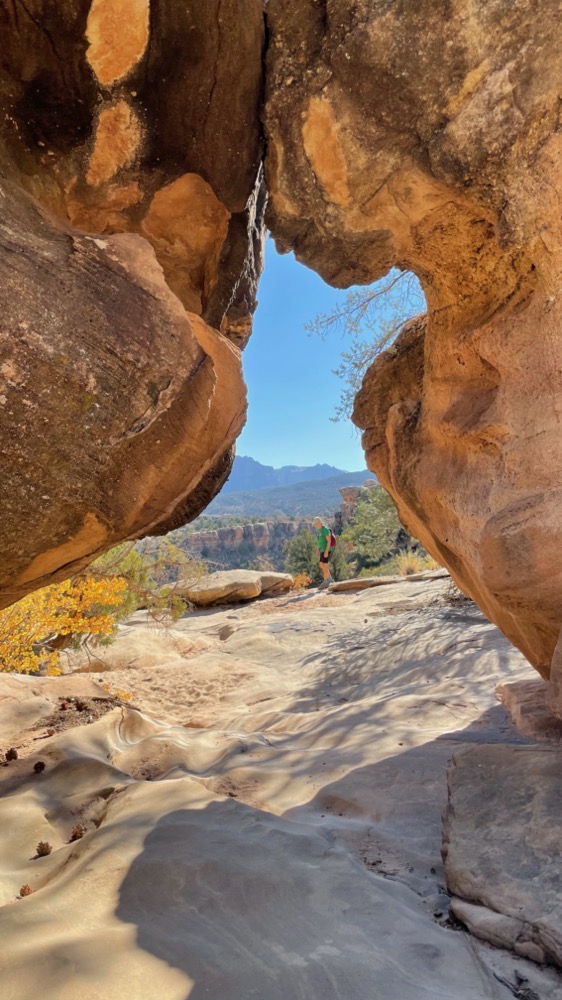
(528, 704)
(427, 137)
(501, 847)
(366, 582)
(169, 648)
(119, 409)
(275, 583)
(99, 128)
(277, 831)
(138, 399)
(233, 586)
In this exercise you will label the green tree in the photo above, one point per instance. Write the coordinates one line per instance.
(301, 556)
(151, 569)
(374, 531)
(370, 318)
(339, 566)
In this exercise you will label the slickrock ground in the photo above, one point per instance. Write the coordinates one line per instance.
(266, 821)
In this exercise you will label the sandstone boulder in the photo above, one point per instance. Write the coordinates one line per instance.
(402, 135)
(233, 587)
(98, 129)
(130, 235)
(528, 705)
(501, 847)
(276, 583)
(118, 409)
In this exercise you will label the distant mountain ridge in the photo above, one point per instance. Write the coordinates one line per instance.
(248, 474)
(302, 499)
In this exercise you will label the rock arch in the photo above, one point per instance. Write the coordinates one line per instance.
(424, 135)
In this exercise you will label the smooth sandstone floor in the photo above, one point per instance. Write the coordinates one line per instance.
(268, 824)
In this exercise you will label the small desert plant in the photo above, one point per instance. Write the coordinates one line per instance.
(39, 766)
(25, 890)
(301, 581)
(11, 754)
(77, 833)
(411, 562)
(119, 693)
(455, 596)
(43, 849)
(408, 563)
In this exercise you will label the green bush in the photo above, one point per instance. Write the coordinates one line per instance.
(374, 530)
(301, 556)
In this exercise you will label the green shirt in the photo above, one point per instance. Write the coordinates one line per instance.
(323, 539)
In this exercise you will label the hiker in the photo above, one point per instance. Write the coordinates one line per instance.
(326, 542)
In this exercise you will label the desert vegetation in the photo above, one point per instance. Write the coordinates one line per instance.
(86, 610)
(373, 543)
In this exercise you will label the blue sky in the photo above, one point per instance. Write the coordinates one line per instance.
(292, 391)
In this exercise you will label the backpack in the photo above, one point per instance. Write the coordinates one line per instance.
(332, 539)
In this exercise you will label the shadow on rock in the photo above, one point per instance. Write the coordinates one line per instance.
(250, 905)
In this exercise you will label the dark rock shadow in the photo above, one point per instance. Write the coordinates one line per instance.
(249, 905)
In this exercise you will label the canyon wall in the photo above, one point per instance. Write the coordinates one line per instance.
(426, 136)
(237, 545)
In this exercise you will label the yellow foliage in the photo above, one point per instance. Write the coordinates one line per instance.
(77, 607)
(117, 692)
(301, 581)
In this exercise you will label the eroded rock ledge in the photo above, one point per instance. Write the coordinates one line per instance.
(427, 137)
(501, 831)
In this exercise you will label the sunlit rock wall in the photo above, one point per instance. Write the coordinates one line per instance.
(130, 234)
(426, 135)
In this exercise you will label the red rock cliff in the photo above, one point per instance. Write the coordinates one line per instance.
(423, 135)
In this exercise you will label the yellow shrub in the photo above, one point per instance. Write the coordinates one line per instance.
(77, 607)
